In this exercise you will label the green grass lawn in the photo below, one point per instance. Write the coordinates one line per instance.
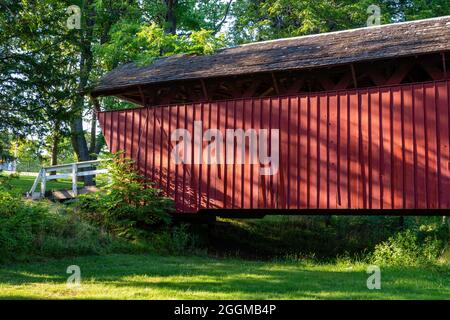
(157, 277)
(24, 184)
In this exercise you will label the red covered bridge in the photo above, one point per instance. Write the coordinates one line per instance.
(352, 119)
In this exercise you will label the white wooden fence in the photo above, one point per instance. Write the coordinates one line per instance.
(74, 172)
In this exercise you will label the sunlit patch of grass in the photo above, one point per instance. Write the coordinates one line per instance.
(157, 277)
(24, 183)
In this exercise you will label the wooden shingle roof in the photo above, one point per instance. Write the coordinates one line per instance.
(305, 52)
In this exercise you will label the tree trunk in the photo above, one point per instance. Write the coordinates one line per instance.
(93, 145)
(55, 148)
(80, 145)
(86, 61)
(171, 19)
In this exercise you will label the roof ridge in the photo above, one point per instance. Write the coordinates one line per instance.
(341, 31)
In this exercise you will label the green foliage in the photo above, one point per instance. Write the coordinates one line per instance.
(30, 230)
(128, 204)
(131, 41)
(412, 247)
(257, 20)
(177, 240)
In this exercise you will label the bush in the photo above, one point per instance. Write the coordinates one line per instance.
(30, 230)
(410, 248)
(128, 205)
(176, 240)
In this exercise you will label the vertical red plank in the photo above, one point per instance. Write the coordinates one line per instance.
(444, 127)
(402, 119)
(162, 142)
(419, 129)
(386, 149)
(408, 147)
(365, 148)
(286, 124)
(304, 152)
(265, 180)
(221, 174)
(177, 192)
(332, 149)
(225, 112)
(432, 144)
(235, 168)
(159, 112)
(398, 148)
(229, 150)
(375, 191)
(212, 173)
(185, 112)
(197, 173)
(354, 172)
(141, 164)
(247, 167)
(255, 174)
(129, 119)
(167, 148)
(131, 133)
(173, 125)
(343, 149)
(293, 160)
(136, 134)
(154, 144)
(282, 126)
(271, 201)
(125, 130)
(114, 129)
(312, 154)
(238, 165)
(323, 154)
(149, 143)
(203, 203)
(120, 131)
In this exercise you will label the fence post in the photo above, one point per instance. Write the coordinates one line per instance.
(43, 182)
(74, 179)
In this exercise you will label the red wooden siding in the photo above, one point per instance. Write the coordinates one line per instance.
(379, 148)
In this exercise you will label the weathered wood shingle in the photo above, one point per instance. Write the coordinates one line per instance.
(327, 49)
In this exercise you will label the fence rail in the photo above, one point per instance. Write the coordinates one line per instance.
(74, 168)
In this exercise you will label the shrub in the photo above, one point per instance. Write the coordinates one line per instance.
(410, 248)
(128, 204)
(29, 230)
(176, 240)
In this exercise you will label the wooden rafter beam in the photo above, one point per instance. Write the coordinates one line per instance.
(444, 64)
(251, 90)
(400, 73)
(355, 80)
(141, 94)
(275, 83)
(296, 86)
(326, 82)
(344, 82)
(375, 75)
(204, 90)
(433, 71)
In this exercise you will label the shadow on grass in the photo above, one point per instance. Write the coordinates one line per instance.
(211, 278)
